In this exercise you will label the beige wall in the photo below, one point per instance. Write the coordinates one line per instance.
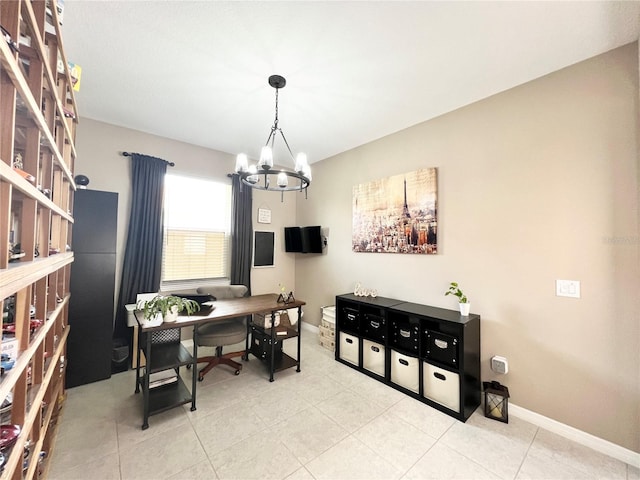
(535, 184)
(99, 145)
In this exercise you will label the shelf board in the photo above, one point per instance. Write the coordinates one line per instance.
(168, 396)
(28, 189)
(291, 332)
(20, 275)
(168, 355)
(283, 362)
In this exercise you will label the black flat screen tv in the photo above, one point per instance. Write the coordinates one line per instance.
(292, 239)
(303, 239)
(311, 240)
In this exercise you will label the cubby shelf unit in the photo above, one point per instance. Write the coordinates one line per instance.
(38, 118)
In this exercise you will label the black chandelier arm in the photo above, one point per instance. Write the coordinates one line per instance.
(287, 144)
(272, 136)
(271, 185)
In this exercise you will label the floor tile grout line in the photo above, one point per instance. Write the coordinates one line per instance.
(526, 454)
(206, 454)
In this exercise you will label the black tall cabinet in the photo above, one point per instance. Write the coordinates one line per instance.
(90, 346)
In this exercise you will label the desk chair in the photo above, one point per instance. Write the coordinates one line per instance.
(224, 333)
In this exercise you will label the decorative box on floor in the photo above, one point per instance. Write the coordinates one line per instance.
(327, 328)
(496, 401)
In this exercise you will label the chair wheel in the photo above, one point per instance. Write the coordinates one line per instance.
(200, 379)
(237, 372)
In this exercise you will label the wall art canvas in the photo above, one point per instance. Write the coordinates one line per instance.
(397, 214)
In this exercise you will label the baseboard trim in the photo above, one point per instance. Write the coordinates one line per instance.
(310, 328)
(583, 438)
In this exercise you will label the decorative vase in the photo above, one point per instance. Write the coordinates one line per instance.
(465, 308)
(172, 315)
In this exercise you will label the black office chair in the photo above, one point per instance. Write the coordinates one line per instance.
(222, 333)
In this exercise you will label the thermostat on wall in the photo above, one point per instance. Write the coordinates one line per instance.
(499, 364)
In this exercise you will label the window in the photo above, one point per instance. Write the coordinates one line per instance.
(197, 223)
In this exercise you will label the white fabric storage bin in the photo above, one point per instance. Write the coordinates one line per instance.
(329, 317)
(329, 314)
(441, 386)
(349, 348)
(373, 357)
(405, 371)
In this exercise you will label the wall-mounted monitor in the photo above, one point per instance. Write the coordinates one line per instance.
(303, 239)
(292, 239)
(311, 240)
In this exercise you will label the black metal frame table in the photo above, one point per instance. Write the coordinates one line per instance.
(164, 351)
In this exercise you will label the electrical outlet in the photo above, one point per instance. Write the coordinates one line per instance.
(568, 288)
(499, 364)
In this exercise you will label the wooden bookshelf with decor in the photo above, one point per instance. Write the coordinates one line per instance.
(37, 129)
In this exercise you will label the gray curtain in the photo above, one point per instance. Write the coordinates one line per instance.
(241, 233)
(142, 265)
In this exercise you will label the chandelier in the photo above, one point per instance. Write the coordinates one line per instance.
(262, 175)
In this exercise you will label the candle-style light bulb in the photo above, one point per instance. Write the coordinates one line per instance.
(283, 181)
(301, 162)
(242, 163)
(307, 172)
(266, 158)
(253, 178)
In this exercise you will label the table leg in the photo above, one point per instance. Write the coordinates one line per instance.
(194, 368)
(137, 349)
(273, 340)
(145, 388)
(299, 325)
(245, 357)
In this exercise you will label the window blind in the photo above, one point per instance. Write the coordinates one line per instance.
(196, 232)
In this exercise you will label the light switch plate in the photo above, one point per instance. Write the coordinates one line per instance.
(568, 288)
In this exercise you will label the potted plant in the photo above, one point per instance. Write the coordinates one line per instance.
(165, 308)
(463, 301)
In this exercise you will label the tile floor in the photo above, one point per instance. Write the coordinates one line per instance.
(326, 422)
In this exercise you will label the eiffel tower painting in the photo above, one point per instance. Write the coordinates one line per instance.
(397, 214)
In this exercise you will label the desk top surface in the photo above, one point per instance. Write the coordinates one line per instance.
(231, 308)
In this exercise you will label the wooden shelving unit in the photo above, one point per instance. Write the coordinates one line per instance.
(37, 129)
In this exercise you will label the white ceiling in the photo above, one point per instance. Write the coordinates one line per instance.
(196, 71)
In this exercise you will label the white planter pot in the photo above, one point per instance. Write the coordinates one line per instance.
(465, 308)
(153, 322)
(171, 316)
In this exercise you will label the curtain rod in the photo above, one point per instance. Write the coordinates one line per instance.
(128, 154)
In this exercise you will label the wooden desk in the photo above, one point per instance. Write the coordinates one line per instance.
(163, 350)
